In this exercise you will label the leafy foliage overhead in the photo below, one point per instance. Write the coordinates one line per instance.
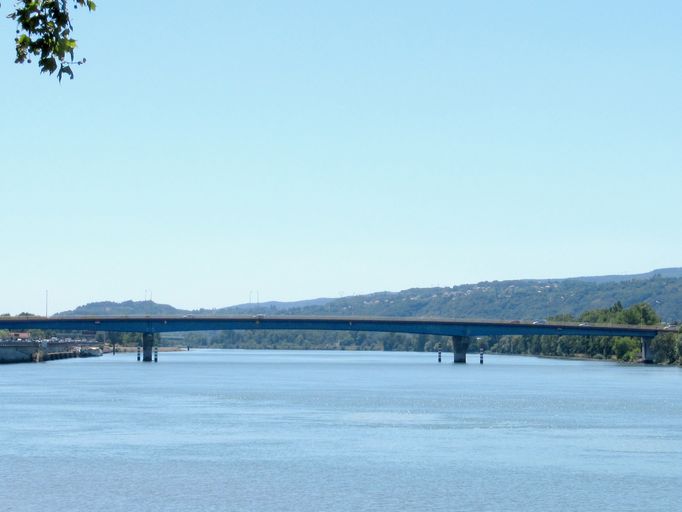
(44, 30)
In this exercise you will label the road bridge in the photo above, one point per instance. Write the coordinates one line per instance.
(461, 331)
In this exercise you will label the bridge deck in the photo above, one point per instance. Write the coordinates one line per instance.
(435, 326)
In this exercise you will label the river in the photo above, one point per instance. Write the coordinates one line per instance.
(215, 430)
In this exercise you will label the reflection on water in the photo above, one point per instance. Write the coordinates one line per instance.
(304, 431)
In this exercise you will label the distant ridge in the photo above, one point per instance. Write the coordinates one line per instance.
(529, 299)
(672, 272)
(276, 305)
(128, 307)
(148, 307)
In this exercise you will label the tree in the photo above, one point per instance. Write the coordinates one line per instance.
(639, 314)
(665, 348)
(44, 30)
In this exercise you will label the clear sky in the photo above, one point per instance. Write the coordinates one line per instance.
(211, 150)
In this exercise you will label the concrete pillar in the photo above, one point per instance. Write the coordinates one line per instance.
(460, 345)
(147, 346)
(647, 356)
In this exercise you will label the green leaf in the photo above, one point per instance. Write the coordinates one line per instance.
(44, 29)
(48, 64)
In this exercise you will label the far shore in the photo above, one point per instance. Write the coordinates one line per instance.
(107, 349)
(584, 358)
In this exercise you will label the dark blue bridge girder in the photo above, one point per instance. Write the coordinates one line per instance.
(436, 326)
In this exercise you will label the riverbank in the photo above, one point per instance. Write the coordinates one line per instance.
(108, 349)
(583, 357)
(577, 357)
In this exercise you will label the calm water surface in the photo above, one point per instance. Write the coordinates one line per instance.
(310, 431)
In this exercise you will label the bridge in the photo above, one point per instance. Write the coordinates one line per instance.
(461, 331)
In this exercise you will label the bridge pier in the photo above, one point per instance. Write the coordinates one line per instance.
(460, 345)
(147, 346)
(647, 356)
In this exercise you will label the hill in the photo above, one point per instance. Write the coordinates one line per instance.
(660, 272)
(128, 307)
(274, 305)
(508, 300)
(514, 300)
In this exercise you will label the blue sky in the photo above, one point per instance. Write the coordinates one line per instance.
(304, 149)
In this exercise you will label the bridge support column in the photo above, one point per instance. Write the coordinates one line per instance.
(460, 345)
(647, 356)
(147, 346)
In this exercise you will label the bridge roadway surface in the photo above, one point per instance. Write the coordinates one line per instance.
(435, 326)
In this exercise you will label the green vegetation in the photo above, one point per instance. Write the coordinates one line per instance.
(122, 338)
(44, 30)
(513, 300)
(314, 340)
(298, 340)
(665, 348)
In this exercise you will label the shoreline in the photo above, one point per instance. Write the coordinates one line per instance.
(107, 349)
(587, 358)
